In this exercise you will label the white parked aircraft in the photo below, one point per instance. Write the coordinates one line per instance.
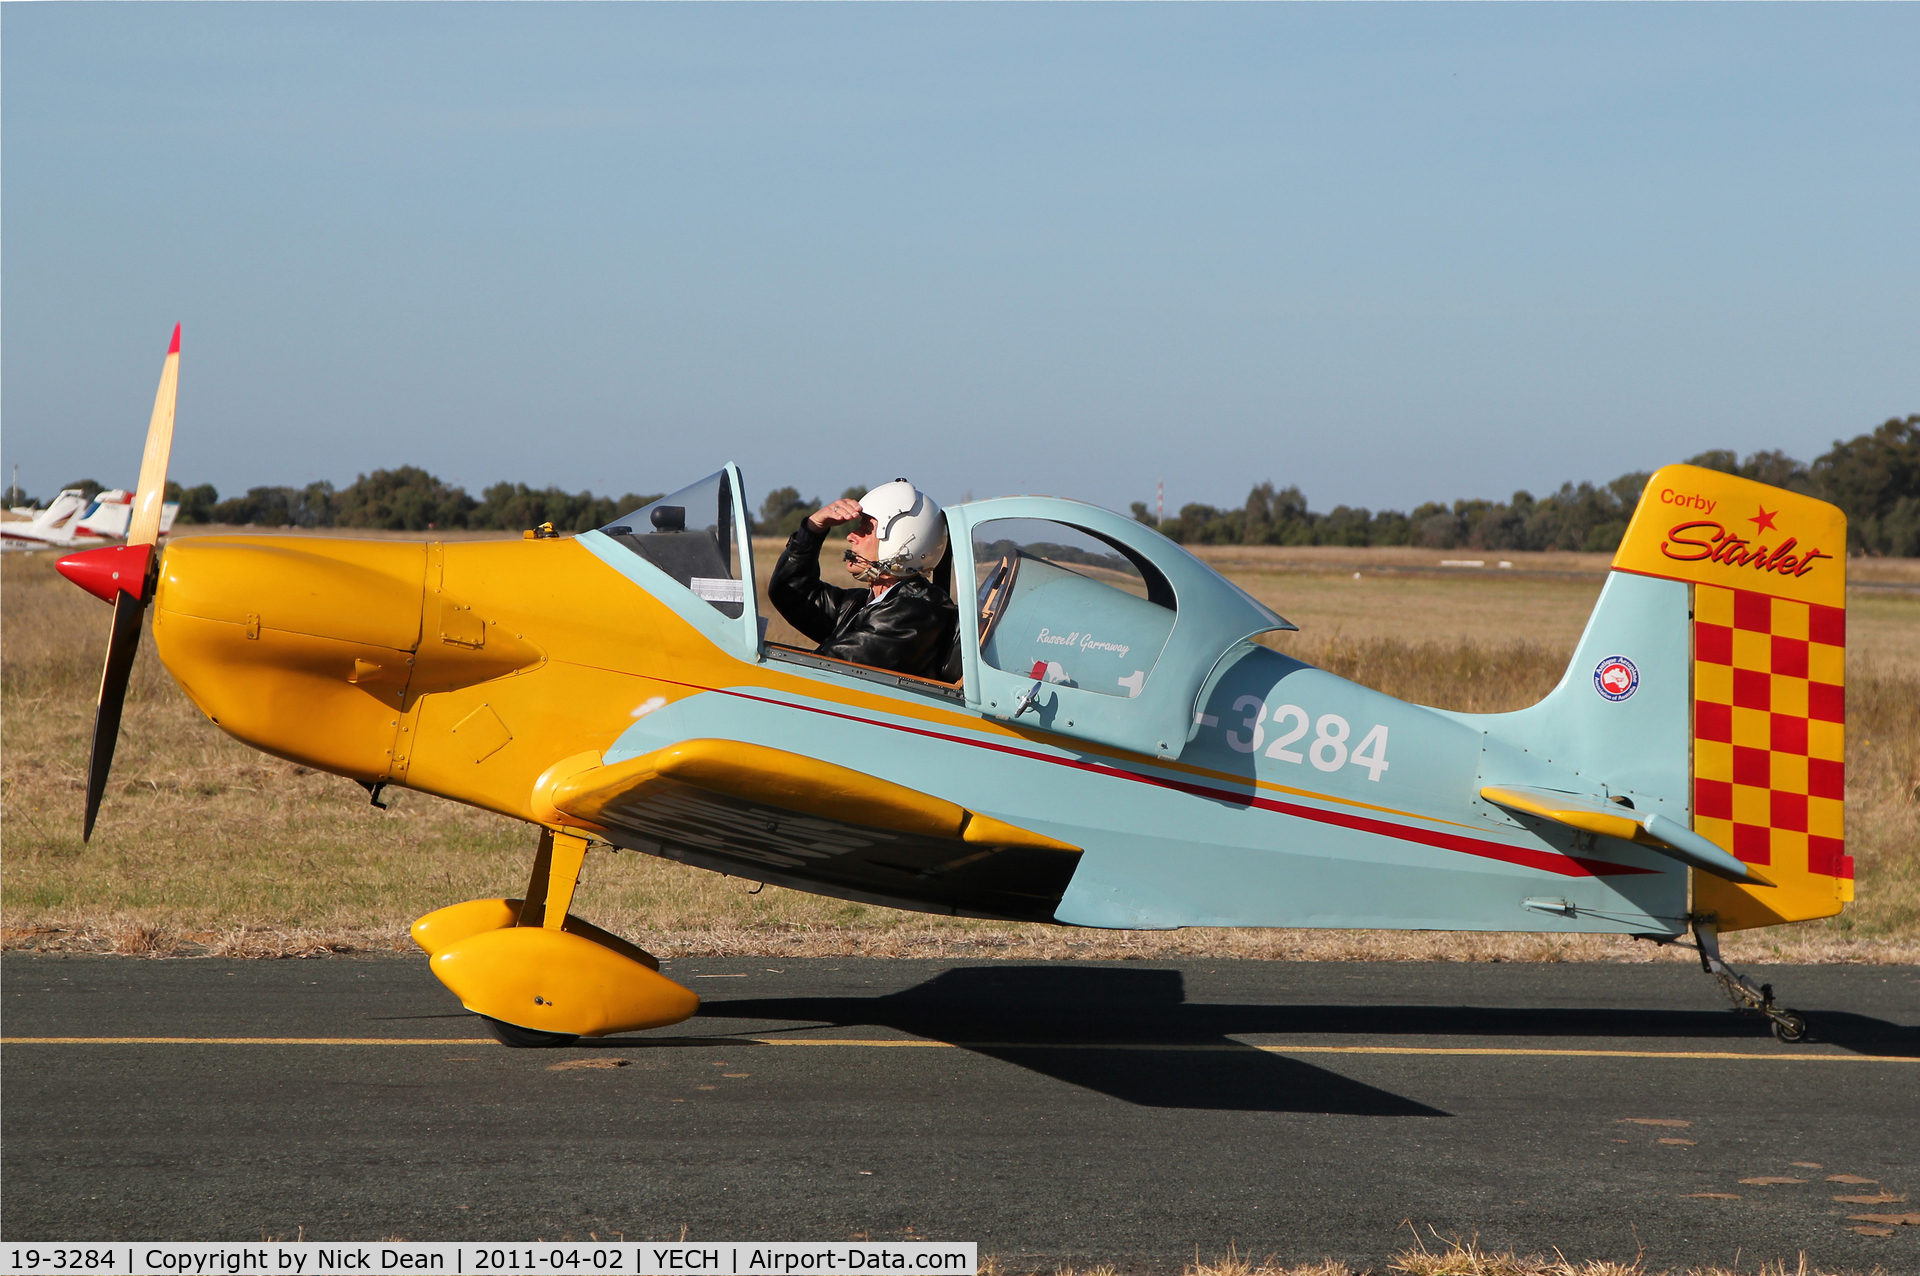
(111, 511)
(52, 526)
(72, 521)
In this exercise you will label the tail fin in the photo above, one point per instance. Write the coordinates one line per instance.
(1709, 688)
(1768, 572)
(62, 510)
(108, 515)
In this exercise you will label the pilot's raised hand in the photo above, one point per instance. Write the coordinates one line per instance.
(844, 510)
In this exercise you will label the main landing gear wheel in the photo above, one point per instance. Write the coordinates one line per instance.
(512, 1034)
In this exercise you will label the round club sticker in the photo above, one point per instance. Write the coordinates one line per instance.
(1616, 678)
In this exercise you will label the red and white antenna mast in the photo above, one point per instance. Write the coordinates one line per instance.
(1160, 501)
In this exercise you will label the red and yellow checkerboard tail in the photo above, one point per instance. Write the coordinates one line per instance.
(1768, 574)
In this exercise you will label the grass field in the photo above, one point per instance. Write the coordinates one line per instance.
(1450, 1257)
(207, 846)
(1453, 1258)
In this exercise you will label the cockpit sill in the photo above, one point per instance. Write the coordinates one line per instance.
(866, 673)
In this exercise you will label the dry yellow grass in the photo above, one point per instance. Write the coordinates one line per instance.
(1448, 1257)
(207, 846)
(1406, 595)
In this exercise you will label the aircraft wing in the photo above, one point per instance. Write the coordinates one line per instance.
(1593, 814)
(757, 812)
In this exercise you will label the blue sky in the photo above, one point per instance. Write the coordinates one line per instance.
(1387, 253)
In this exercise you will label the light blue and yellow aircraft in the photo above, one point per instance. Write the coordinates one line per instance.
(1118, 752)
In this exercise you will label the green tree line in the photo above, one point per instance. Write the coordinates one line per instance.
(411, 499)
(1874, 477)
(404, 499)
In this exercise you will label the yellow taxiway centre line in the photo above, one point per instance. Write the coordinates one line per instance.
(1402, 1050)
(248, 1041)
(921, 1044)
(1594, 1054)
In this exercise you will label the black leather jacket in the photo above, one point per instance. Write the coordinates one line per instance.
(911, 630)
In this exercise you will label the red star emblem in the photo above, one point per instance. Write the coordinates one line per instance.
(1765, 520)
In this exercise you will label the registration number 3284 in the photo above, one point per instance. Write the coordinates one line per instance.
(1278, 730)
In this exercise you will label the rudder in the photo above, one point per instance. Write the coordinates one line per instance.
(1768, 676)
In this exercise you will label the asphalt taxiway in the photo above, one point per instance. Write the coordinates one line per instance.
(1125, 1112)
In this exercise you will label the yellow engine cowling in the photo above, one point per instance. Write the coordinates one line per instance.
(458, 669)
(315, 648)
(301, 647)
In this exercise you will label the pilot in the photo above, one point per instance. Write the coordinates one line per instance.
(901, 621)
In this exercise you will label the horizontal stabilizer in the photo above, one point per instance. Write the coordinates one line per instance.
(1594, 814)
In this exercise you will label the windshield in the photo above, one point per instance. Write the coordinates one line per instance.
(689, 536)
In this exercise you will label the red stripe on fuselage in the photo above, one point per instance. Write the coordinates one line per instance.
(1545, 861)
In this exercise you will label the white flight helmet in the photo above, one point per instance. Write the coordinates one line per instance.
(911, 533)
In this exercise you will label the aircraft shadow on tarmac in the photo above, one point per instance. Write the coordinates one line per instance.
(1124, 1033)
(1133, 1035)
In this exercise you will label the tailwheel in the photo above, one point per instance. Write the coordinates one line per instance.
(512, 1034)
(1788, 1025)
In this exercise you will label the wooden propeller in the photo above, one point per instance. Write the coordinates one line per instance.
(124, 575)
